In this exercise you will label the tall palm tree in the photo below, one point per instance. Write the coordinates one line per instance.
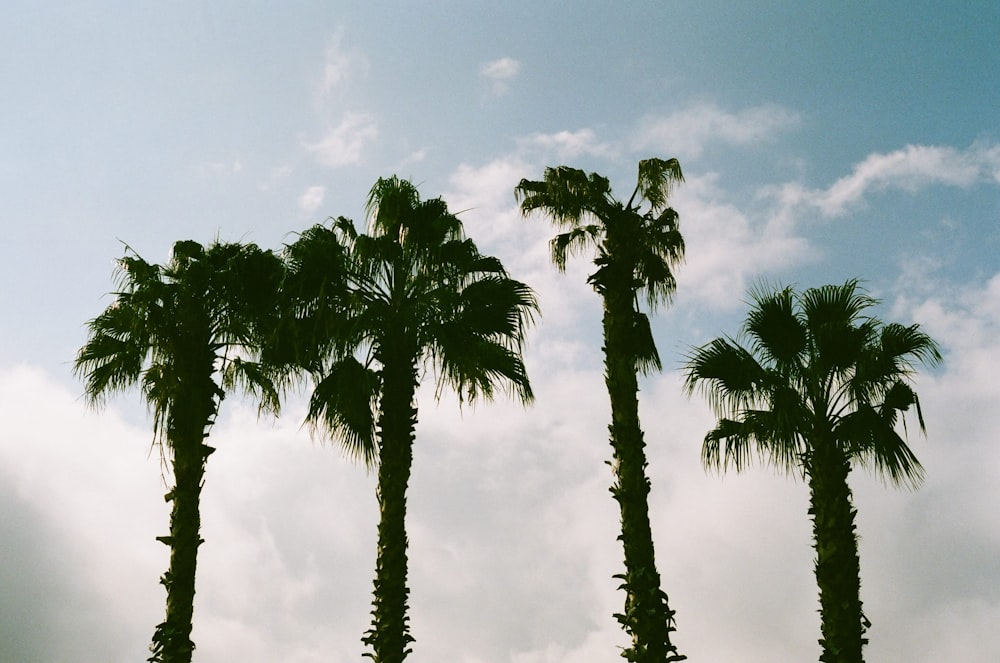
(418, 293)
(814, 385)
(185, 332)
(637, 251)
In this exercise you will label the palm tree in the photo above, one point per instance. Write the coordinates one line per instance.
(185, 332)
(418, 293)
(636, 253)
(814, 385)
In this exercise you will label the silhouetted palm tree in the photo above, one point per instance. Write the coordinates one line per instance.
(185, 332)
(636, 253)
(815, 384)
(418, 293)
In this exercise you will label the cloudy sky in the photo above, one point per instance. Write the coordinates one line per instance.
(820, 142)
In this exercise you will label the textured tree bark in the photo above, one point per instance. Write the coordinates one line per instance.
(838, 568)
(389, 636)
(647, 616)
(189, 419)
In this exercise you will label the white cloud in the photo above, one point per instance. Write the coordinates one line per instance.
(489, 187)
(417, 156)
(90, 491)
(500, 73)
(932, 575)
(343, 145)
(909, 169)
(966, 320)
(512, 530)
(82, 481)
(275, 179)
(686, 133)
(990, 155)
(338, 66)
(218, 168)
(728, 248)
(570, 144)
(311, 199)
(485, 197)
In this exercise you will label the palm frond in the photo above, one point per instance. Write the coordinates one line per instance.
(573, 242)
(389, 200)
(495, 306)
(567, 195)
(728, 375)
(113, 357)
(259, 380)
(871, 437)
(313, 298)
(656, 180)
(343, 405)
(477, 341)
(774, 327)
(647, 358)
(474, 366)
(906, 344)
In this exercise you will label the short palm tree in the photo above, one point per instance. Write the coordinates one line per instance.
(417, 293)
(186, 333)
(814, 385)
(637, 251)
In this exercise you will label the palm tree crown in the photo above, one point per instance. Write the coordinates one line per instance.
(810, 364)
(211, 301)
(815, 384)
(641, 247)
(420, 282)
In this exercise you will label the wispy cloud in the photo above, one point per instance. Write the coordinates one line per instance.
(484, 194)
(686, 133)
(338, 66)
(570, 144)
(218, 168)
(500, 73)
(728, 247)
(413, 157)
(343, 144)
(311, 199)
(910, 169)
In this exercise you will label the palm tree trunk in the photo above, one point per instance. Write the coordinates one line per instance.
(389, 636)
(647, 616)
(838, 569)
(186, 432)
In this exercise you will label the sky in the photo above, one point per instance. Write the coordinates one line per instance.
(820, 142)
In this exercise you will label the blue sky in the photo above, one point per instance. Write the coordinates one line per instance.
(819, 143)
